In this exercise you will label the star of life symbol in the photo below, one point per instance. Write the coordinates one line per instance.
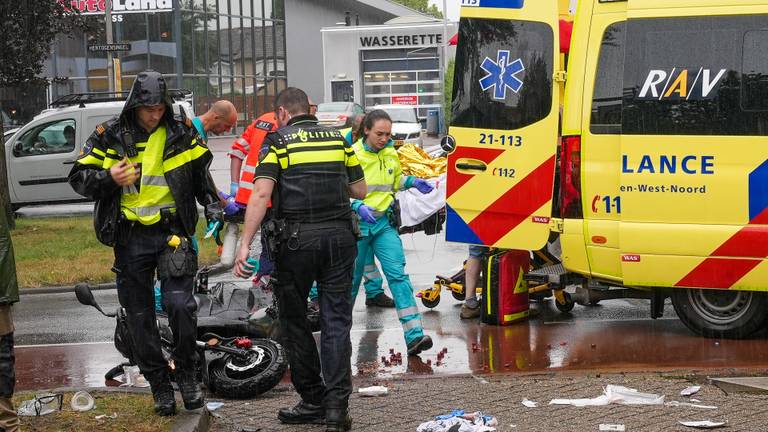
(501, 75)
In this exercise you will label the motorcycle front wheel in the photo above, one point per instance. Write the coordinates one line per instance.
(236, 378)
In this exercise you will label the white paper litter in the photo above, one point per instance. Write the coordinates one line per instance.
(213, 406)
(459, 421)
(373, 391)
(82, 401)
(687, 404)
(688, 391)
(703, 424)
(529, 403)
(613, 394)
(132, 377)
(104, 416)
(612, 427)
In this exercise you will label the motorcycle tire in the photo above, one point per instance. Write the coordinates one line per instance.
(232, 378)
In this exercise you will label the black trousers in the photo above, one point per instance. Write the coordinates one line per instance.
(136, 258)
(326, 255)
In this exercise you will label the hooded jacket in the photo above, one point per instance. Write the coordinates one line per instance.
(189, 181)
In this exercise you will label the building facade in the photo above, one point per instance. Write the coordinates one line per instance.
(218, 49)
(387, 64)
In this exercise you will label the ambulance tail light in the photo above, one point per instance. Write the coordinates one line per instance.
(570, 177)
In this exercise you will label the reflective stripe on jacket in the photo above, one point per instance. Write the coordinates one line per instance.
(153, 195)
(383, 175)
(249, 144)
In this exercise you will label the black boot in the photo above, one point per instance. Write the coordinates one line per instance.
(165, 403)
(189, 389)
(380, 300)
(420, 344)
(337, 420)
(302, 413)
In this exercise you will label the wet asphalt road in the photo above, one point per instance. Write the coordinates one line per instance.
(61, 343)
(613, 336)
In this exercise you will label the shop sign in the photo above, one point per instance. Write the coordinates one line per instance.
(405, 100)
(401, 40)
(98, 7)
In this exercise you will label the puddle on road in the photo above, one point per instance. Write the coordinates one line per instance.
(47, 367)
(461, 348)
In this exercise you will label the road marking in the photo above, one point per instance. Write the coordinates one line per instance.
(63, 344)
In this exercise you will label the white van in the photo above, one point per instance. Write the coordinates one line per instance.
(41, 153)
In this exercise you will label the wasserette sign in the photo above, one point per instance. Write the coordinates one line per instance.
(94, 7)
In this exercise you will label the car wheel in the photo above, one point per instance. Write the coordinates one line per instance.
(720, 313)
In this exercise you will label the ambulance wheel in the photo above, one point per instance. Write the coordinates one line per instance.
(567, 306)
(430, 303)
(721, 313)
(457, 296)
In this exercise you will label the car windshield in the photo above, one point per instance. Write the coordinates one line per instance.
(402, 115)
(333, 107)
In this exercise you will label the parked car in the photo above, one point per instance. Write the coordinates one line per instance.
(406, 127)
(41, 153)
(338, 114)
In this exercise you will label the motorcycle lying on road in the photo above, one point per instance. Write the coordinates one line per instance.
(239, 358)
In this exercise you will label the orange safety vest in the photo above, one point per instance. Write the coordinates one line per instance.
(254, 135)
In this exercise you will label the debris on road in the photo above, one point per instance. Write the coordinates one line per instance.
(703, 424)
(530, 403)
(688, 391)
(613, 394)
(213, 406)
(373, 391)
(132, 377)
(606, 427)
(42, 404)
(687, 404)
(458, 420)
(82, 401)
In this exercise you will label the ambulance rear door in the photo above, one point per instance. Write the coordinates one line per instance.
(504, 124)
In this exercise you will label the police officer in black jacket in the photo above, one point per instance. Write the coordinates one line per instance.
(310, 172)
(145, 170)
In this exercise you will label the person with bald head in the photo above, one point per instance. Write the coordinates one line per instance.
(219, 119)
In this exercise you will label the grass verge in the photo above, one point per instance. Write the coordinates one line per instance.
(134, 413)
(64, 251)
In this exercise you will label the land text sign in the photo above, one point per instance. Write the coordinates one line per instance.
(91, 7)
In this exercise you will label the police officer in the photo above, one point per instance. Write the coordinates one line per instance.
(313, 172)
(145, 169)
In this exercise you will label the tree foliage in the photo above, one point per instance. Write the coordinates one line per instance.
(422, 6)
(29, 28)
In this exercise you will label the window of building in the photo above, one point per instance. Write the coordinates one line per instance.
(607, 96)
(696, 76)
(528, 100)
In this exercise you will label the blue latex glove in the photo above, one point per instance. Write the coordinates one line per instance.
(366, 213)
(423, 186)
(232, 208)
(233, 187)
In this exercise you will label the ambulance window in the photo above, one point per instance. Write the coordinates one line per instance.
(606, 100)
(503, 74)
(754, 85)
(696, 76)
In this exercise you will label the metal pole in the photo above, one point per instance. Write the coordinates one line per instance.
(444, 65)
(108, 28)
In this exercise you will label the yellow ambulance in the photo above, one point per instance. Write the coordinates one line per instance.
(657, 185)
